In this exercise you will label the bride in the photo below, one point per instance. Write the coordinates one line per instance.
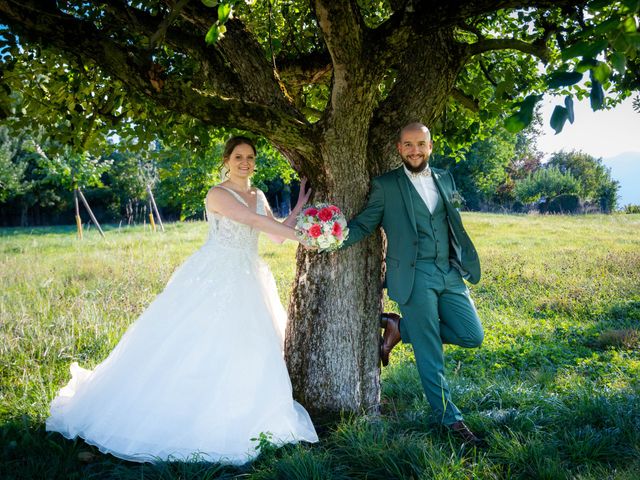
(200, 374)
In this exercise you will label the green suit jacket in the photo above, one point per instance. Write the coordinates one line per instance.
(390, 205)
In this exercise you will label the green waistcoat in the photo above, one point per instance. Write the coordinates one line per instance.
(433, 232)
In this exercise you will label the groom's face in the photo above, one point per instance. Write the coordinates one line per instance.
(415, 148)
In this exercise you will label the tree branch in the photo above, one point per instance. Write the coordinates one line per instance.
(134, 69)
(214, 71)
(164, 25)
(242, 52)
(438, 14)
(471, 29)
(354, 78)
(487, 74)
(465, 100)
(234, 67)
(423, 17)
(488, 44)
(305, 70)
(342, 29)
(413, 96)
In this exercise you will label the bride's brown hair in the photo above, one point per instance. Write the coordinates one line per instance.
(233, 142)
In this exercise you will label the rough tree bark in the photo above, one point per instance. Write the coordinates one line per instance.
(332, 338)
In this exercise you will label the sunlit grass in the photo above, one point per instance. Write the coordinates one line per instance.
(555, 388)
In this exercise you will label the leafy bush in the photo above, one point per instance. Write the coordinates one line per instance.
(546, 183)
(632, 208)
(594, 178)
(566, 203)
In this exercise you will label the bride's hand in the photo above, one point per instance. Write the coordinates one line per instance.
(303, 195)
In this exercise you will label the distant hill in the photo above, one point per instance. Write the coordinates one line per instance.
(625, 168)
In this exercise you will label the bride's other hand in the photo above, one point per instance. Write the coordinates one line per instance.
(303, 196)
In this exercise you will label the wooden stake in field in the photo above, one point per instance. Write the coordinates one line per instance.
(155, 209)
(93, 217)
(152, 224)
(78, 220)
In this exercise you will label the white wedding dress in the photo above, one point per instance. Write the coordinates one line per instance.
(200, 374)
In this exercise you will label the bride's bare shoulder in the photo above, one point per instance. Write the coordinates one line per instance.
(218, 190)
(216, 194)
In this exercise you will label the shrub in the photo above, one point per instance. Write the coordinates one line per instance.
(567, 203)
(632, 208)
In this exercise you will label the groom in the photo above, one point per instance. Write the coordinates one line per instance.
(428, 255)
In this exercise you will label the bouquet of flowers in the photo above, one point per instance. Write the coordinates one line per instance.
(322, 226)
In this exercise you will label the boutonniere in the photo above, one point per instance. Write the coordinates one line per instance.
(456, 199)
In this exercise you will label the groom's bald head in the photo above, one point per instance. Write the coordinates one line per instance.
(414, 146)
(414, 127)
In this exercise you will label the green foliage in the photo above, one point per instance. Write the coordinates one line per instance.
(546, 183)
(631, 209)
(27, 184)
(505, 168)
(561, 114)
(12, 168)
(74, 170)
(271, 166)
(604, 43)
(485, 174)
(524, 116)
(595, 182)
(82, 106)
(185, 179)
(563, 79)
(554, 389)
(483, 169)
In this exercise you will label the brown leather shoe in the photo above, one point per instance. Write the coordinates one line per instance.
(460, 430)
(391, 336)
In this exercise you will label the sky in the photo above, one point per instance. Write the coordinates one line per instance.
(605, 133)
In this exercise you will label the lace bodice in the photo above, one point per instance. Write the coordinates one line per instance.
(228, 234)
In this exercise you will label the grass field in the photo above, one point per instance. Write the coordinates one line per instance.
(555, 388)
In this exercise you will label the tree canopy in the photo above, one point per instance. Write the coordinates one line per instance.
(271, 67)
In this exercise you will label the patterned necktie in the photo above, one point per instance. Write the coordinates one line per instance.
(424, 173)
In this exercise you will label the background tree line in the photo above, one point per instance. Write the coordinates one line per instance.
(36, 187)
(503, 172)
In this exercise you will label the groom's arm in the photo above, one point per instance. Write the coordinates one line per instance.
(366, 222)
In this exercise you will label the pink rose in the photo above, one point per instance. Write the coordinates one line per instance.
(334, 209)
(325, 214)
(337, 230)
(315, 231)
(311, 211)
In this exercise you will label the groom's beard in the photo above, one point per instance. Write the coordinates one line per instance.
(417, 169)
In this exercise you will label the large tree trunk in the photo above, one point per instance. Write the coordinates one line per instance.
(332, 337)
(326, 376)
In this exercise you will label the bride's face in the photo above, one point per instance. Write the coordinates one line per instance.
(242, 161)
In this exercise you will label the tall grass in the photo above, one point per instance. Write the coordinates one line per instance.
(555, 388)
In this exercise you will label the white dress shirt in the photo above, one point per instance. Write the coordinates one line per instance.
(426, 188)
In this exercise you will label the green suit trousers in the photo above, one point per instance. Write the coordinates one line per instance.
(439, 310)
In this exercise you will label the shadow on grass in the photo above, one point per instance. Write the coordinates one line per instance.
(29, 452)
